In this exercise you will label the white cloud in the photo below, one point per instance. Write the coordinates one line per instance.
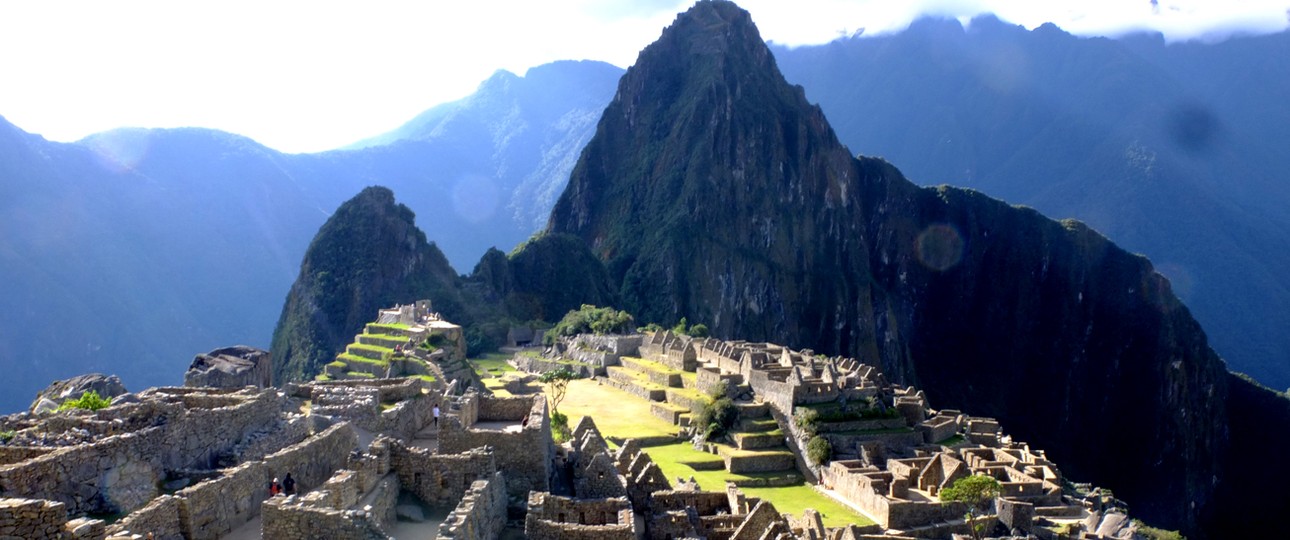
(309, 75)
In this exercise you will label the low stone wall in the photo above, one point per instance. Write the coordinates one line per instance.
(32, 518)
(706, 503)
(504, 409)
(288, 432)
(116, 474)
(15, 454)
(295, 518)
(636, 389)
(554, 517)
(439, 479)
(857, 425)
(546, 530)
(160, 517)
(481, 514)
(891, 439)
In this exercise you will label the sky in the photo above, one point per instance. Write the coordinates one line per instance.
(311, 75)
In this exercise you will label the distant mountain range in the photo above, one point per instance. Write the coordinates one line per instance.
(133, 250)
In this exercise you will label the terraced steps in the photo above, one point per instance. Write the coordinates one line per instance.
(753, 410)
(754, 461)
(760, 440)
(382, 340)
(371, 352)
(756, 425)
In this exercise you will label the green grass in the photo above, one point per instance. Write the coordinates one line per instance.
(373, 348)
(360, 374)
(354, 358)
(672, 459)
(795, 499)
(951, 440)
(426, 378)
(492, 365)
(659, 367)
(392, 326)
(617, 413)
(387, 336)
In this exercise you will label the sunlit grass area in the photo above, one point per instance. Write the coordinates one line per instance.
(795, 499)
(618, 414)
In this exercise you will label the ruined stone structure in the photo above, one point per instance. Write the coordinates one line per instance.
(196, 462)
(892, 452)
(231, 367)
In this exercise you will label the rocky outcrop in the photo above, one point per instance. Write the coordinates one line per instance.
(107, 387)
(231, 367)
(713, 190)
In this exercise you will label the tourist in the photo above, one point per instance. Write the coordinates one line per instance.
(436, 415)
(289, 485)
(274, 488)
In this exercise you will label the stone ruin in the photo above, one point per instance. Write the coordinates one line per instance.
(196, 462)
(231, 367)
(892, 452)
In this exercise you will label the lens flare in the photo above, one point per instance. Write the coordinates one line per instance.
(939, 247)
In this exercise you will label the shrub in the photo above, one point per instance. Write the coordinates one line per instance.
(651, 327)
(590, 319)
(718, 415)
(699, 331)
(89, 401)
(6, 436)
(807, 420)
(1152, 533)
(819, 450)
(560, 431)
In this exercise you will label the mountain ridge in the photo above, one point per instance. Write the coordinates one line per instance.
(740, 209)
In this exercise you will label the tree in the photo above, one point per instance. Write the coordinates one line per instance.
(978, 492)
(557, 384)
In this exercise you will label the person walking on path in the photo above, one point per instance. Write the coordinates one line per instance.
(289, 485)
(274, 488)
(436, 415)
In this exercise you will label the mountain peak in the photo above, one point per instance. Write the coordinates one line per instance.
(704, 115)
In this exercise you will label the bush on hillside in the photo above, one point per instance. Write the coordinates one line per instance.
(591, 320)
(89, 401)
(819, 450)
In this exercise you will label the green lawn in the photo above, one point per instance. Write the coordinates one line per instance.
(617, 413)
(492, 365)
(672, 460)
(794, 499)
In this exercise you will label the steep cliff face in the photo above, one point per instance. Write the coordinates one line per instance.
(368, 255)
(713, 190)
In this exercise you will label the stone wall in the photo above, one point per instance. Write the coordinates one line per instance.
(706, 503)
(481, 514)
(215, 423)
(15, 454)
(33, 519)
(524, 457)
(297, 518)
(160, 517)
(552, 517)
(439, 479)
(116, 474)
(504, 408)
